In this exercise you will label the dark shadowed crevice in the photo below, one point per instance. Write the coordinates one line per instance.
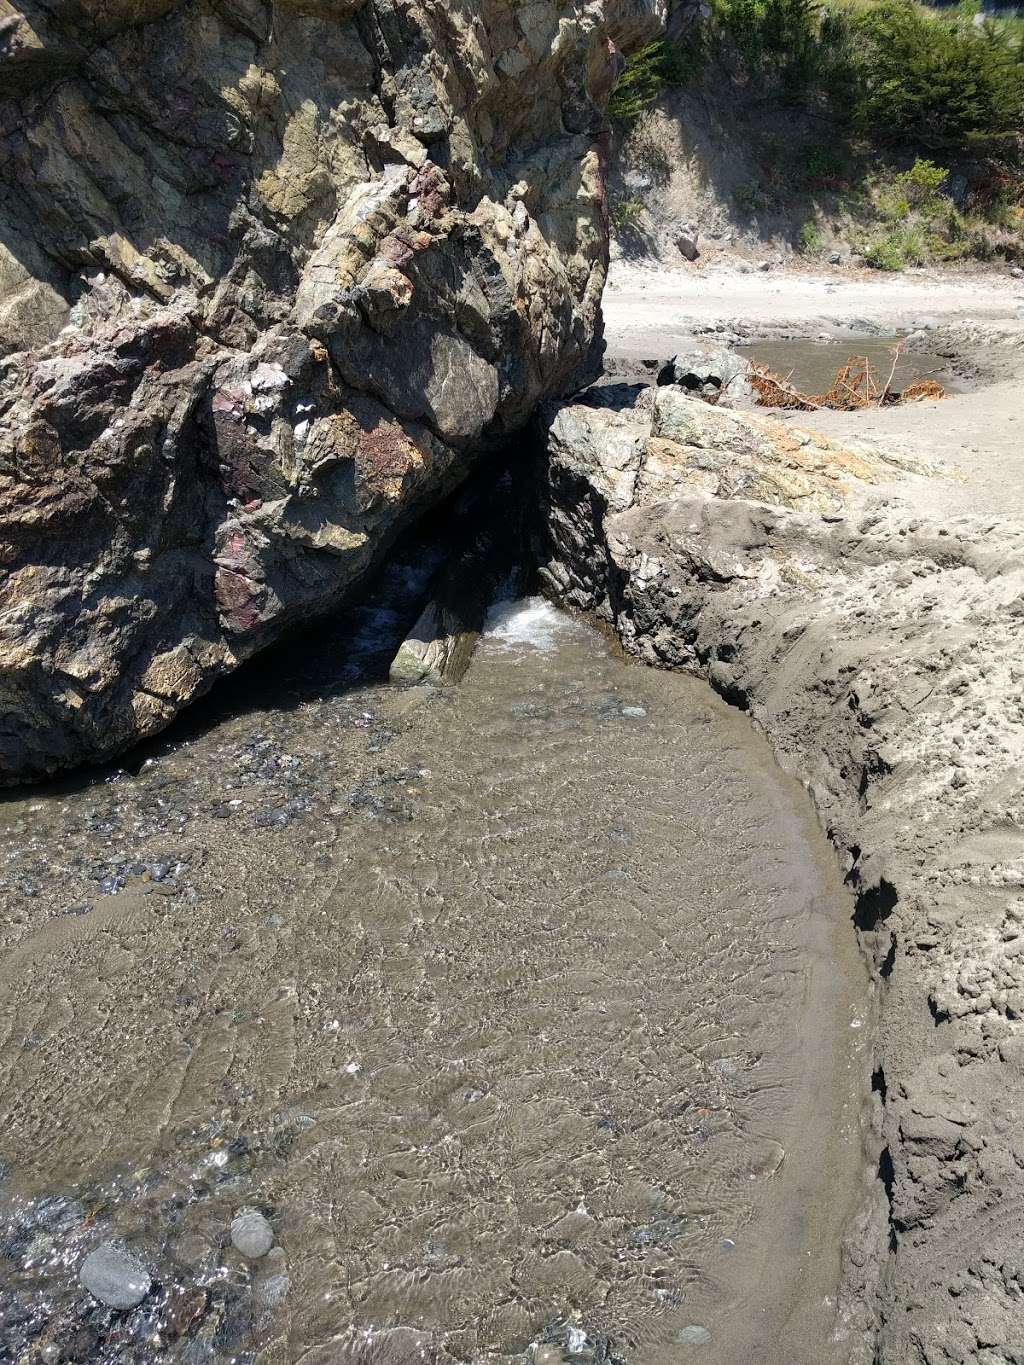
(874, 906)
(887, 1175)
(885, 970)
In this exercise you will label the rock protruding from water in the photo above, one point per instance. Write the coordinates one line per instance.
(438, 647)
(252, 331)
(115, 1276)
(711, 372)
(251, 1234)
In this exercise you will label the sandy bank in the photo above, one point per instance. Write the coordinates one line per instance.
(647, 311)
(869, 615)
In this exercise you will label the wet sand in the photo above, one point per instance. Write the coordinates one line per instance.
(529, 1014)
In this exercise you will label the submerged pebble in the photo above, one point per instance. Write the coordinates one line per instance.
(548, 1355)
(251, 1234)
(694, 1335)
(273, 1282)
(114, 1276)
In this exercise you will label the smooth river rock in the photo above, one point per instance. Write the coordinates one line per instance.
(251, 1234)
(115, 1276)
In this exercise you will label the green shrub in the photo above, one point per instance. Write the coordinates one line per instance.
(627, 211)
(935, 80)
(955, 224)
(822, 165)
(918, 223)
(811, 238)
(749, 197)
(649, 73)
(793, 43)
(883, 252)
(913, 242)
(907, 244)
(914, 191)
(895, 71)
(923, 183)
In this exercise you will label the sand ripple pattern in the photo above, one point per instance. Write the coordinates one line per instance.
(526, 1030)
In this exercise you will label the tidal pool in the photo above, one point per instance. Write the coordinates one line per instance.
(526, 1014)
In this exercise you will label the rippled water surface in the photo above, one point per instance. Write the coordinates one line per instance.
(527, 1013)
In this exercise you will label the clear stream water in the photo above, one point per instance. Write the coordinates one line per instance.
(528, 1013)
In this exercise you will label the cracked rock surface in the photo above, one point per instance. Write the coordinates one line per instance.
(272, 276)
(882, 652)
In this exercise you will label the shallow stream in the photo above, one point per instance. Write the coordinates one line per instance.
(811, 365)
(527, 1013)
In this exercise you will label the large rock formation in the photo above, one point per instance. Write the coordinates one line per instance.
(272, 272)
(880, 649)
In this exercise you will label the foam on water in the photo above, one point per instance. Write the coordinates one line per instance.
(528, 621)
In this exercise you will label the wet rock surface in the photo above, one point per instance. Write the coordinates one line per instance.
(251, 1234)
(115, 1277)
(497, 1005)
(272, 276)
(880, 651)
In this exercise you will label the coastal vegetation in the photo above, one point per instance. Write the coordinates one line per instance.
(913, 118)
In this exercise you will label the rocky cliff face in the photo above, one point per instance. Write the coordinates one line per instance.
(271, 276)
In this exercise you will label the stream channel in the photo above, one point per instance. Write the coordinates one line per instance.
(527, 1013)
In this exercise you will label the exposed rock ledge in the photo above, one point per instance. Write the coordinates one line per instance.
(272, 273)
(883, 655)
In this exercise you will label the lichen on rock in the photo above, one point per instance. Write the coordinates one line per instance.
(271, 276)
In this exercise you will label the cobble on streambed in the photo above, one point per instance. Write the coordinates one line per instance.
(519, 1021)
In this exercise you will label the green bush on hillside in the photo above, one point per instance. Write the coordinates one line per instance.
(916, 190)
(893, 71)
(793, 42)
(627, 212)
(648, 74)
(935, 80)
(811, 238)
(917, 223)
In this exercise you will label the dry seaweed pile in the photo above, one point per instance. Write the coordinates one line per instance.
(858, 384)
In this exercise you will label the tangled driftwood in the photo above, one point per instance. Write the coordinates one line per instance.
(857, 384)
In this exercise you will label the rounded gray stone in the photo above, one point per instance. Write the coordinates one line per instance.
(114, 1276)
(251, 1234)
(694, 1335)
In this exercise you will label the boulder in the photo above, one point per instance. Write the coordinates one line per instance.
(712, 372)
(273, 275)
(686, 244)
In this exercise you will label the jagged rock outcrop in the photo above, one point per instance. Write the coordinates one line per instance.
(271, 275)
(881, 651)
